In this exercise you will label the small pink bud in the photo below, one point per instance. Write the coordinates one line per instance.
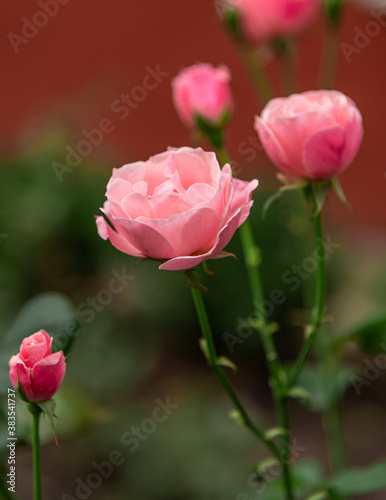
(202, 90)
(36, 368)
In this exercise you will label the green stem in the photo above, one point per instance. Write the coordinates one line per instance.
(252, 260)
(334, 429)
(212, 359)
(259, 77)
(37, 488)
(276, 375)
(319, 301)
(332, 419)
(223, 155)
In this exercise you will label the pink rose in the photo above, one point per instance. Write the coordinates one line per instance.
(264, 19)
(314, 135)
(39, 372)
(178, 207)
(204, 91)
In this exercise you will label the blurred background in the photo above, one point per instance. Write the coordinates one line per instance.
(134, 348)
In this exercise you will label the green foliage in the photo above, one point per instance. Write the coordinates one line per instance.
(324, 387)
(361, 480)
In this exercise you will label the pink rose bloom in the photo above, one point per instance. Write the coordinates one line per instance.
(39, 372)
(178, 207)
(264, 19)
(202, 90)
(314, 135)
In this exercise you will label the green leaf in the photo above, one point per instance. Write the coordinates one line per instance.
(204, 348)
(274, 432)
(237, 417)
(370, 335)
(340, 193)
(307, 476)
(316, 193)
(334, 10)
(264, 465)
(48, 408)
(323, 387)
(214, 133)
(361, 480)
(274, 198)
(318, 495)
(229, 15)
(192, 281)
(301, 394)
(206, 269)
(224, 361)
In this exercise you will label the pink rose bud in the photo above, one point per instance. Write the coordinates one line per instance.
(178, 207)
(260, 20)
(202, 90)
(38, 371)
(314, 135)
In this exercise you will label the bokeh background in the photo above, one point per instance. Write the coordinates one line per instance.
(136, 347)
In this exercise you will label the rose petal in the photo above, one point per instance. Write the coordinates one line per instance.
(149, 242)
(189, 232)
(354, 135)
(47, 375)
(323, 153)
(271, 145)
(35, 347)
(222, 240)
(118, 239)
(242, 197)
(20, 373)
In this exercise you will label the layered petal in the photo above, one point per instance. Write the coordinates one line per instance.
(242, 197)
(35, 347)
(189, 232)
(323, 153)
(148, 241)
(222, 240)
(174, 205)
(19, 373)
(118, 238)
(46, 376)
(314, 135)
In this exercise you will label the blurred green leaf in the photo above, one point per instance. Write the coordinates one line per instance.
(301, 394)
(360, 481)
(274, 432)
(307, 476)
(323, 387)
(227, 363)
(370, 335)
